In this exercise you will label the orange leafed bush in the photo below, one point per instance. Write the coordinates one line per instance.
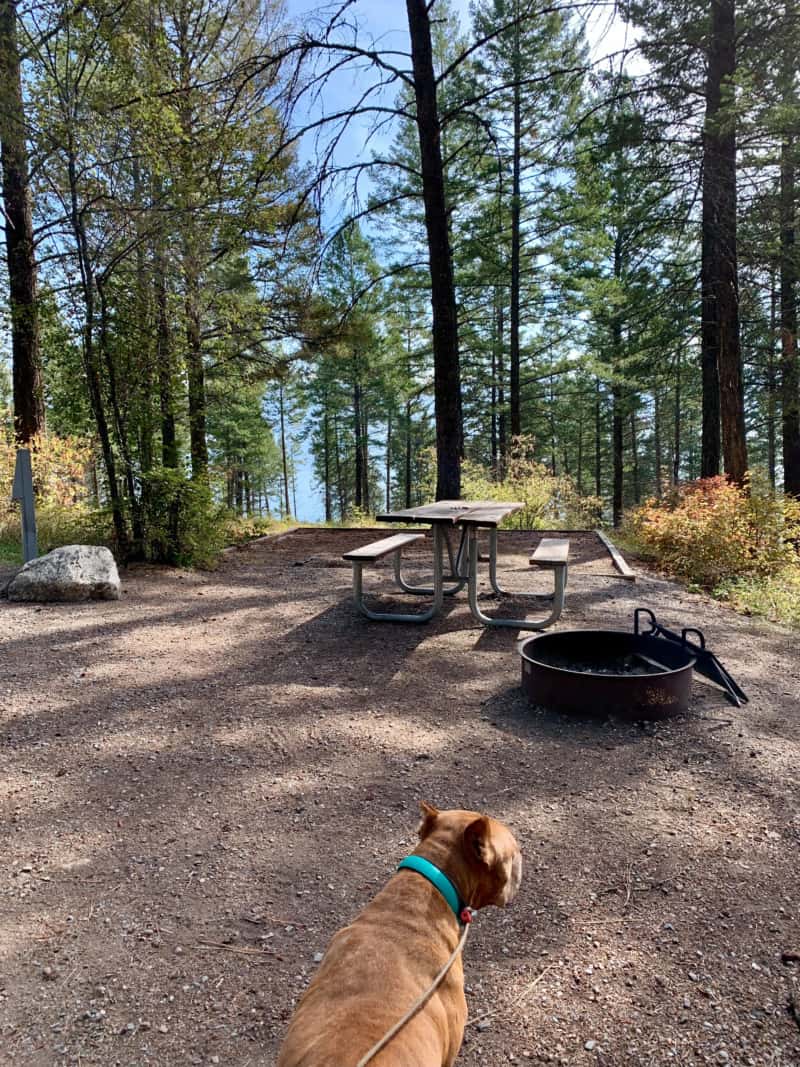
(65, 509)
(59, 469)
(711, 530)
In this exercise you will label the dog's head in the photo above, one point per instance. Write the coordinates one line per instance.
(479, 854)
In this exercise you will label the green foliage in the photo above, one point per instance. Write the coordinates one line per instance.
(774, 596)
(550, 501)
(184, 526)
(711, 531)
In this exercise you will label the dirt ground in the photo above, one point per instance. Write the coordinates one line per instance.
(200, 783)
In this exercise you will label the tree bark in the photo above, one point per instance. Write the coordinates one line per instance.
(723, 389)
(447, 373)
(513, 325)
(790, 367)
(28, 390)
(771, 384)
(676, 454)
(358, 450)
(195, 371)
(598, 465)
(284, 459)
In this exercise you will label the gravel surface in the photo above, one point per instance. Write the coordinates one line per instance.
(200, 783)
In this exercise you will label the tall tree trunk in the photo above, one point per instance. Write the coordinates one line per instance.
(365, 461)
(446, 372)
(502, 419)
(617, 413)
(357, 448)
(195, 371)
(284, 458)
(169, 441)
(326, 454)
(617, 422)
(676, 454)
(637, 495)
(598, 465)
(790, 368)
(408, 456)
(514, 386)
(28, 391)
(771, 383)
(90, 363)
(723, 401)
(340, 487)
(493, 448)
(389, 462)
(659, 459)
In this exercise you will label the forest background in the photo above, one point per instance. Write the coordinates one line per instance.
(513, 248)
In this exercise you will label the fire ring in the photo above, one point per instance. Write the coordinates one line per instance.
(639, 675)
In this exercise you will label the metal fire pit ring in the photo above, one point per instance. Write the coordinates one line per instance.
(639, 675)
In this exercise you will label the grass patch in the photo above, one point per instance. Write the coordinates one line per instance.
(10, 551)
(776, 597)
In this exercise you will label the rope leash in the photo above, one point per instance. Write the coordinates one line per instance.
(418, 1003)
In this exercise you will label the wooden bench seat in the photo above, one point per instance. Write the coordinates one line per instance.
(551, 552)
(378, 549)
(371, 553)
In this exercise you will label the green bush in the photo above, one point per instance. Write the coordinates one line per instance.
(550, 502)
(776, 597)
(181, 523)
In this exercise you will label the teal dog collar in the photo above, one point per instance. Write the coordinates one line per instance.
(439, 879)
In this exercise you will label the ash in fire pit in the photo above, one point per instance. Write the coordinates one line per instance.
(633, 664)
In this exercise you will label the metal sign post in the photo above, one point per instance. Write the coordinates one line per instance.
(22, 491)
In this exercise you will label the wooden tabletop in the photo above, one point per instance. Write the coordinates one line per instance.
(456, 512)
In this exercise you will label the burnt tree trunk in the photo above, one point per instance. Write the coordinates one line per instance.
(28, 392)
(446, 367)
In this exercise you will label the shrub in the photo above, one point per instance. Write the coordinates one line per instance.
(65, 509)
(776, 597)
(182, 525)
(550, 501)
(709, 531)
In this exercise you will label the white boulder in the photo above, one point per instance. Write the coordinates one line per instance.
(74, 572)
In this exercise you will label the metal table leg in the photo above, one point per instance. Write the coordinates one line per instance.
(517, 624)
(456, 569)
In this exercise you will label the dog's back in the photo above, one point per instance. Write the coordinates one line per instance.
(379, 965)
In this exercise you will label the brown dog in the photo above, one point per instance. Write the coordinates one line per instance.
(376, 967)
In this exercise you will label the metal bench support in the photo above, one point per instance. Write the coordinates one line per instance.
(560, 579)
(395, 616)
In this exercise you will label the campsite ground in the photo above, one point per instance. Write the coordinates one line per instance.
(201, 782)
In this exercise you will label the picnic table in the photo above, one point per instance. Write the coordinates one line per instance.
(467, 517)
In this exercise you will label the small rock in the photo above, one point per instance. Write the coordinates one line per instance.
(49, 974)
(484, 1024)
(318, 957)
(590, 1046)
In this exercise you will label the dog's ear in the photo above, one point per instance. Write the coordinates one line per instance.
(429, 816)
(478, 842)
